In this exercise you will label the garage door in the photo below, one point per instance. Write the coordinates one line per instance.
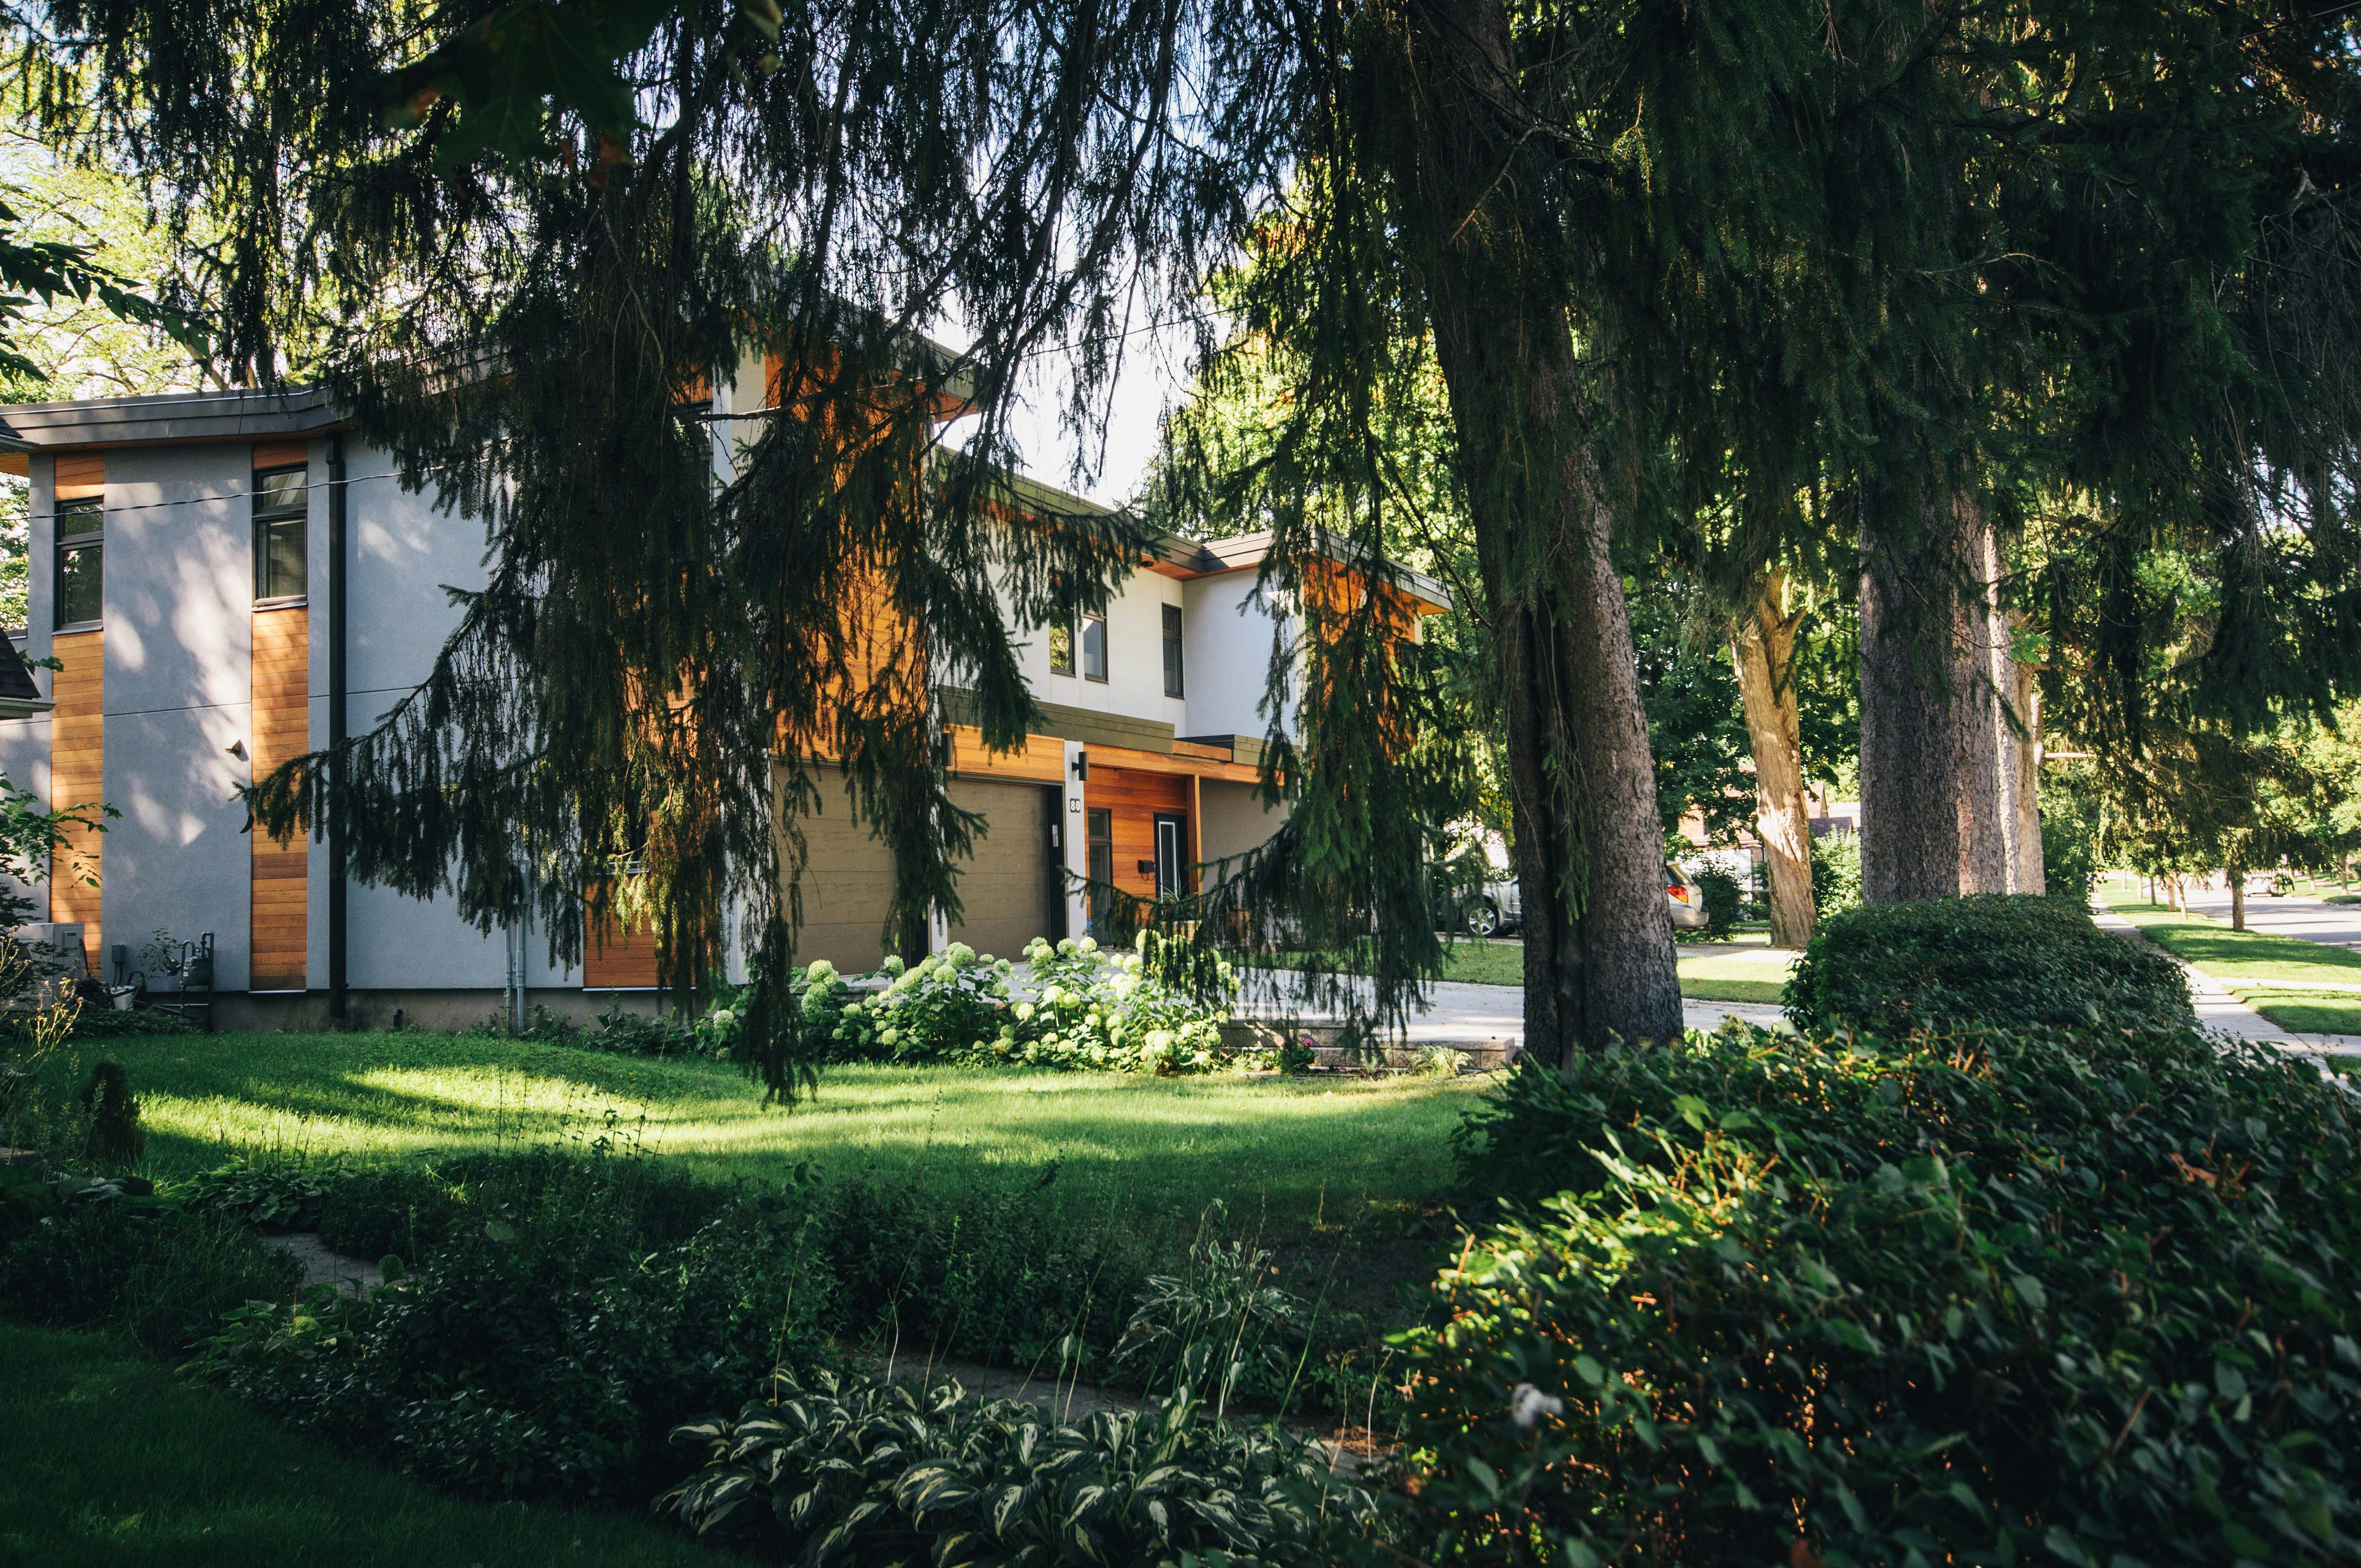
(847, 884)
(1006, 890)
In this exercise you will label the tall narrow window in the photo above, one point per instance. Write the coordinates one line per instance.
(1095, 652)
(82, 560)
(1062, 650)
(279, 508)
(1100, 821)
(1172, 687)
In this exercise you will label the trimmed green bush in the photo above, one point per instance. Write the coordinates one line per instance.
(2073, 1297)
(2007, 961)
(1836, 876)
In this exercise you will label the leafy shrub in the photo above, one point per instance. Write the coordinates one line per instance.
(2070, 848)
(1836, 876)
(115, 1139)
(1221, 1303)
(536, 1350)
(128, 1022)
(1998, 959)
(164, 1277)
(270, 1195)
(997, 1272)
(2085, 1296)
(1129, 1012)
(934, 1010)
(1721, 895)
(1089, 1008)
(863, 1472)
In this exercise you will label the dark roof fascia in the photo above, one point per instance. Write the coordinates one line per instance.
(172, 418)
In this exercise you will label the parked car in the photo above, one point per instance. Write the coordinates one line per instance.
(1499, 907)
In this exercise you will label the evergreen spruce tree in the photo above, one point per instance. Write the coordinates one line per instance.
(1817, 245)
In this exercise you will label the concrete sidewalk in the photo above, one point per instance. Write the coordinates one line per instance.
(1459, 1013)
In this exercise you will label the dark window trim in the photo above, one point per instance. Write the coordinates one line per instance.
(1176, 653)
(263, 517)
(1072, 637)
(1082, 648)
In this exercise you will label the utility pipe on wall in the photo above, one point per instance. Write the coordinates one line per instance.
(337, 972)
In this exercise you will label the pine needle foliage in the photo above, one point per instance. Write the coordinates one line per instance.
(1843, 255)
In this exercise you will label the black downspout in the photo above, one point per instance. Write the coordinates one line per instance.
(337, 706)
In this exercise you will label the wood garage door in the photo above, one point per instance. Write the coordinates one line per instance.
(1006, 892)
(847, 884)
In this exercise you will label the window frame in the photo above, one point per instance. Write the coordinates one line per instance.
(1061, 664)
(1083, 645)
(64, 546)
(264, 518)
(1176, 667)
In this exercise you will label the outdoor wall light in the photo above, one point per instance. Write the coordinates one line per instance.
(1082, 765)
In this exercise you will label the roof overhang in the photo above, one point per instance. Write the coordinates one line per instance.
(169, 419)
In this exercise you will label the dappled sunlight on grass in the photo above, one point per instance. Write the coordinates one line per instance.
(1167, 1145)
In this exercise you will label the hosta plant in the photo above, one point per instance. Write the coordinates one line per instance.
(867, 1472)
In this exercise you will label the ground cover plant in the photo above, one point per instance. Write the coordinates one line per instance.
(2085, 1296)
(1996, 958)
(219, 1486)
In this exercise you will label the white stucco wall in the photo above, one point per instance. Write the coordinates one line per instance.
(179, 596)
(1229, 636)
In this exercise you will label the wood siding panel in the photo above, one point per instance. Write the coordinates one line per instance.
(1136, 797)
(280, 929)
(1040, 760)
(78, 775)
(618, 958)
(81, 476)
(282, 453)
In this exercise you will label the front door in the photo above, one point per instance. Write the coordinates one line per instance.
(1168, 840)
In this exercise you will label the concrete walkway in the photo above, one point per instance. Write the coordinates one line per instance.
(1459, 1013)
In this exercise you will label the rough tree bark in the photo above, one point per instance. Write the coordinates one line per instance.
(2028, 871)
(1931, 810)
(1763, 651)
(1598, 948)
(2237, 878)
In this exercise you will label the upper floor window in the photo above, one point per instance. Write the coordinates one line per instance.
(81, 558)
(281, 498)
(1062, 650)
(1172, 683)
(1094, 648)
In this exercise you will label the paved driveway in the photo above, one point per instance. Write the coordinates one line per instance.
(1457, 1014)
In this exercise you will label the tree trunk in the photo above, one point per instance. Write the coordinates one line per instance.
(1598, 947)
(2237, 875)
(1763, 650)
(2028, 872)
(1930, 817)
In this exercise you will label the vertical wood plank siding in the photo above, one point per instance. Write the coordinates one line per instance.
(618, 958)
(78, 776)
(1135, 798)
(281, 730)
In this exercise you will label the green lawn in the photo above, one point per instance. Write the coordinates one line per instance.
(2245, 962)
(109, 1460)
(2222, 953)
(1161, 1147)
(1714, 974)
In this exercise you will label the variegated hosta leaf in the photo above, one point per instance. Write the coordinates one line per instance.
(1006, 1505)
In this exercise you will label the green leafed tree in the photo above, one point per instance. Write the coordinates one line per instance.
(1644, 245)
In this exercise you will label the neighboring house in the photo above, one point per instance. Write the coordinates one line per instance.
(186, 552)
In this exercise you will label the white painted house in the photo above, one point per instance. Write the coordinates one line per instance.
(219, 573)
